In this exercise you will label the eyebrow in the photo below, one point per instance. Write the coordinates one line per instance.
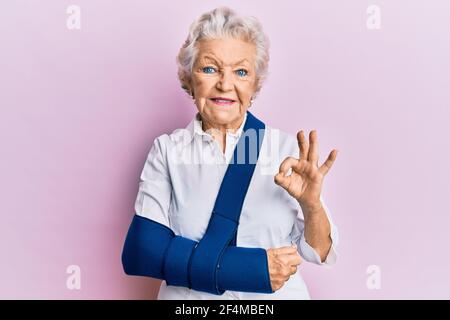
(213, 59)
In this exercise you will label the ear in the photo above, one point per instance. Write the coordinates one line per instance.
(191, 90)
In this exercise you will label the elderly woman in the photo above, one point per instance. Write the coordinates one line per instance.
(228, 207)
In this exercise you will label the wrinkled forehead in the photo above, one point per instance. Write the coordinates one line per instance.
(226, 52)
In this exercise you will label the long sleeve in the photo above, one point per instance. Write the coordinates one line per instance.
(305, 250)
(153, 249)
(155, 188)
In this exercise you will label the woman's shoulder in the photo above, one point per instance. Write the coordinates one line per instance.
(175, 139)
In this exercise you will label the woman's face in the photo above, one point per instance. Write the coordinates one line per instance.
(224, 68)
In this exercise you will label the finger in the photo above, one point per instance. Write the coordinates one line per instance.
(293, 269)
(303, 145)
(326, 166)
(282, 181)
(313, 154)
(287, 164)
(292, 259)
(296, 260)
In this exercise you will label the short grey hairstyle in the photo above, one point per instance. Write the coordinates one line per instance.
(223, 23)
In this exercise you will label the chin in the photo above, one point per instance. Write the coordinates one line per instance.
(222, 115)
(221, 118)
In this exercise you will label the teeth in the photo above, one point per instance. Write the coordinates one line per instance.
(220, 100)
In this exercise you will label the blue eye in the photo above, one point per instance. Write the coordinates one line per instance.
(241, 72)
(208, 70)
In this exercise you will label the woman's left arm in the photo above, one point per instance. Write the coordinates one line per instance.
(305, 185)
(317, 230)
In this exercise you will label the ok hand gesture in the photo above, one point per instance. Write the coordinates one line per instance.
(305, 181)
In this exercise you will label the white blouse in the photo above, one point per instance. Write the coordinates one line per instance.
(179, 184)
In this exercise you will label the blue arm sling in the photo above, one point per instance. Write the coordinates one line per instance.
(215, 263)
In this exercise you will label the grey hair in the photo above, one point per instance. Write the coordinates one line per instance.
(223, 23)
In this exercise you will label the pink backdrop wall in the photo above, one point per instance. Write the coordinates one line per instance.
(80, 110)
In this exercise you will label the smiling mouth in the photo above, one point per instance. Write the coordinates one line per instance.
(222, 101)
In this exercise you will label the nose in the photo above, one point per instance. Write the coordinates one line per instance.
(225, 82)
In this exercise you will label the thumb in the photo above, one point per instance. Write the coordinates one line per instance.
(281, 180)
(285, 250)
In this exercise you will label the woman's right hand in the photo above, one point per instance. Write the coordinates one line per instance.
(283, 263)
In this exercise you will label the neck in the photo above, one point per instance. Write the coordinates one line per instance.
(220, 130)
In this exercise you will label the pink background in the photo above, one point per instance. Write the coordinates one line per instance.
(80, 110)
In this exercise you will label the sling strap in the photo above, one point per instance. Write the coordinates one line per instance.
(222, 227)
(215, 263)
